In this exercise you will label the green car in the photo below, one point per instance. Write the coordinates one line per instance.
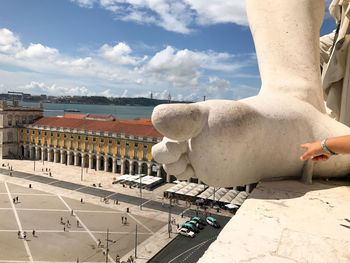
(199, 220)
(196, 224)
(212, 221)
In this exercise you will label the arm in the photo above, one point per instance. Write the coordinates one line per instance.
(315, 151)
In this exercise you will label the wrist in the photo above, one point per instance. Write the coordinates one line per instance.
(325, 148)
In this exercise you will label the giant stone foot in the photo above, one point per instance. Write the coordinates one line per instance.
(230, 143)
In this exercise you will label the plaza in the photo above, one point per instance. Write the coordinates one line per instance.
(41, 211)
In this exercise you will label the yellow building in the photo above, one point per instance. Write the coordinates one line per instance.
(94, 142)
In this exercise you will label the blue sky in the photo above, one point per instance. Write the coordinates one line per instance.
(129, 48)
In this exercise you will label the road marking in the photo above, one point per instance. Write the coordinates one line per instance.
(28, 176)
(97, 211)
(62, 210)
(53, 182)
(73, 231)
(19, 223)
(41, 209)
(108, 196)
(139, 223)
(21, 261)
(184, 211)
(146, 202)
(199, 245)
(80, 188)
(83, 225)
(27, 194)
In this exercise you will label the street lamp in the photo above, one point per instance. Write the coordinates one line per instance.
(81, 170)
(169, 219)
(108, 240)
(140, 193)
(136, 241)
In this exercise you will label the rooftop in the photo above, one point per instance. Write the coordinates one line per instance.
(142, 127)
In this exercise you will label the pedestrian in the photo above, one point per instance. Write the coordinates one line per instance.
(125, 220)
(68, 223)
(30, 185)
(33, 233)
(117, 259)
(64, 229)
(19, 234)
(78, 223)
(62, 221)
(81, 200)
(16, 199)
(25, 235)
(122, 219)
(72, 213)
(99, 243)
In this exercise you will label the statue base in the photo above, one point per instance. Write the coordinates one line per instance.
(288, 221)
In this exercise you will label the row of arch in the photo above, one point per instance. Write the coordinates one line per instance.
(95, 161)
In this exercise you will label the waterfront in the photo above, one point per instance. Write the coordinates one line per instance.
(120, 112)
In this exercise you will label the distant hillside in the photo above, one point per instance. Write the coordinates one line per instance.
(100, 100)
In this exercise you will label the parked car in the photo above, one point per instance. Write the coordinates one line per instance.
(191, 227)
(185, 232)
(199, 220)
(196, 224)
(212, 221)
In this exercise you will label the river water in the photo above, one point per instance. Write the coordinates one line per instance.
(120, 112)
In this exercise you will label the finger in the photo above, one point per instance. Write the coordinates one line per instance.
(178, 167)
(305, 145)
(305, 156)
(168, 151)
(179, 121)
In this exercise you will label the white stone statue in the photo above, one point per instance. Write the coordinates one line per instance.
(229, 143)
(335, 61)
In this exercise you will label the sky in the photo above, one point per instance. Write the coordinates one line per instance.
(129, 48)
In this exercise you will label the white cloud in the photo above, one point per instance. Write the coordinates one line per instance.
(9, 43)
(85, 3)
(37, 51)
(161, 95)
(219, 83)
(184, 67)
(168, 70)
(210, 12)
(108, 93)
(178, 67)
(177, 16)
(78, 63)
(35, 87)
(125, 92)
(119, 54)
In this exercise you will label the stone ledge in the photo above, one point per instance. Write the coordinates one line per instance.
(287, 221)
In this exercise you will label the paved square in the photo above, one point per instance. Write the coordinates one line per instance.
(59, 242)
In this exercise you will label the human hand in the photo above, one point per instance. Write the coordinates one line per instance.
(315, 152)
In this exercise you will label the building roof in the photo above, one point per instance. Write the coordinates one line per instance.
(141, 127)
